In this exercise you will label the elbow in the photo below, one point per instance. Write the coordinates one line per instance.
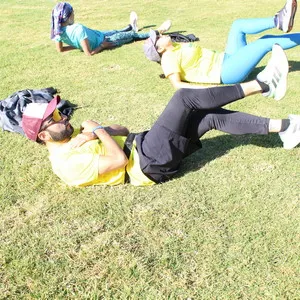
(176, 85)
(88, 53)
(125, 161)
(122, 161)
(182, 85)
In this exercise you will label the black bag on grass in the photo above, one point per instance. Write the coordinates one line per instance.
(181, 38)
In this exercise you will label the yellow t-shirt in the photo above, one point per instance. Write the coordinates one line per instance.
(193, 63)
(79, 166)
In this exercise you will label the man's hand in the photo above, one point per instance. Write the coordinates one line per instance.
(88, 126)
(82, 138)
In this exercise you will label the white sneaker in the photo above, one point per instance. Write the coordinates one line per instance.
(284, 19)
(275, 74)
(165, 26)
(291, 137)
(133, 21)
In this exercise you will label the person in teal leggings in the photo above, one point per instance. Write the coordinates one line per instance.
(241, 58)
(185, 64)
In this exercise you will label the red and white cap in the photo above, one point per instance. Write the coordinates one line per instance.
(35, 114)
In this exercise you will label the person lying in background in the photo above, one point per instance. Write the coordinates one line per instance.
(90, 41)
(188, 63)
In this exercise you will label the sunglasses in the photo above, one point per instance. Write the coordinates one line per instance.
(57, 117)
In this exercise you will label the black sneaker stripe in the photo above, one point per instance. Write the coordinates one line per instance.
(274, 83)
(279, 73)
(276, 77)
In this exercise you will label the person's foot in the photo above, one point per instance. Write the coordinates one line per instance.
(284, 19)
(275, 74)
(165, 26)
(291, 136)
(133, 21)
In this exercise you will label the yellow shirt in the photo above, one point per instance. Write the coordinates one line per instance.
(79, 166)
(193, 63)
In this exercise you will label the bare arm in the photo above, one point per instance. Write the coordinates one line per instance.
(83, 137)
(103, 46)
(61, 48)
(115, 157)
(117, 130)
(178, 84)
(85, 45)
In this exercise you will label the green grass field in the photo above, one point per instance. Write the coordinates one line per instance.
(227, 227)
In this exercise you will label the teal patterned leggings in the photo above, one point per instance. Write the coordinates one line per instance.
(120, 38)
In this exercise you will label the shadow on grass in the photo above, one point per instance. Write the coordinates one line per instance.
(294, 67)
(153, 26)
(213, 148)
(147, 26)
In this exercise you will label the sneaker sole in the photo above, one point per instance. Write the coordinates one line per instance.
(281, 86)
(280, 73)
(133, 21)
(165, 26)
(293, 13)
(293, 140)
(291, 145)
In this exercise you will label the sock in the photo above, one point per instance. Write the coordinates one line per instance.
(265, 88)
(285, 123)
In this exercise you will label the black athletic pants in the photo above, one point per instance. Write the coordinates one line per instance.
(189, 115)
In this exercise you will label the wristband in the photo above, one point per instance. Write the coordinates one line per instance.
(97, 127)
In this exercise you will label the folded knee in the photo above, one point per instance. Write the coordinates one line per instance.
(237, 23)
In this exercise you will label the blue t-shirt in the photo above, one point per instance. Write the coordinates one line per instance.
(74, 34)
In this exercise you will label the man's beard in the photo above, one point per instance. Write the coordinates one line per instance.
(63, 135)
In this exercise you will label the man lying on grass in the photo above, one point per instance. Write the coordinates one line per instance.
(110, 155)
